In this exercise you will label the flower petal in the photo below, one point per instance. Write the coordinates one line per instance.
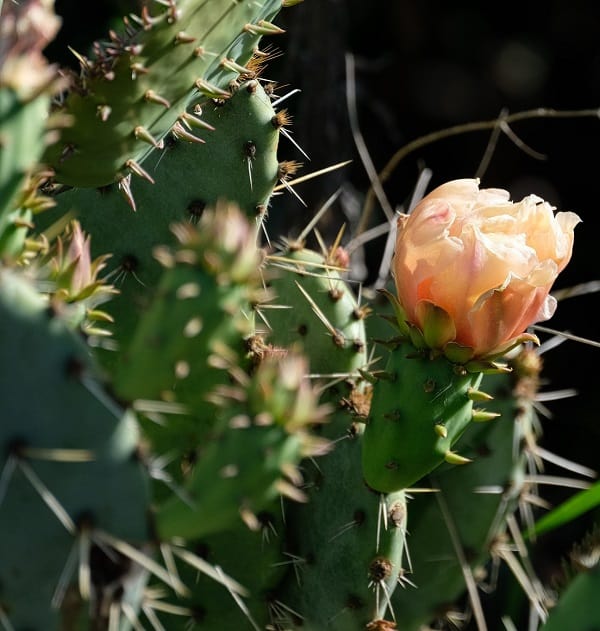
(484, 261)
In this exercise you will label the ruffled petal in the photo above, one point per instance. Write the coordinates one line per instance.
(486, 262)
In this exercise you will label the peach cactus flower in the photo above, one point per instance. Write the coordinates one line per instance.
(479, 267)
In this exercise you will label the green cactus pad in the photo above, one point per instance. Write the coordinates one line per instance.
(137, 87)
(189, 178)
(263, 433)
(315, 308)
(348, 555)
(198, 321)
(23, 128)
(68, 459)
(420, 408)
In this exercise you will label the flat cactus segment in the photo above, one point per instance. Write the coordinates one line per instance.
(314, 308)
(252, 557)
(238, 161)
(236, 480)
(200, 316)
(23, 127)
(347, 542)
(68, 459)
(262, 434)
(137, 87)
(420, 408)
(470, 512)
(188, 179)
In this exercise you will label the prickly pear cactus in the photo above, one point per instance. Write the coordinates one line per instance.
(420, 408)
(188, 178)
(254, 452)
(198, 324)
(199, 432)
(458, 528)
(313, 306)
(138, 86)
(347, 537)
(70, 469)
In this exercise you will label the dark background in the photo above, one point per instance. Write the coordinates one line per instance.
(422, 66)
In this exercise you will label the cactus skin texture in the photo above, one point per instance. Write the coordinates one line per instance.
(346, 537)
(316, 310)
(189, 348)
(68, 460)
(467, 526)
(137, 88)
(188, 177)
(196, 325)
(420, 408)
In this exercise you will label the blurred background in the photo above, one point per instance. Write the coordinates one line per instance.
(420, 66)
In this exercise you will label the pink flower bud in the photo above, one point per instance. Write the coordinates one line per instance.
(485, 263)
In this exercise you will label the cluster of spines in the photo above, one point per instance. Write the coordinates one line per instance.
(128, 97)
(188, 179)
(313, 307)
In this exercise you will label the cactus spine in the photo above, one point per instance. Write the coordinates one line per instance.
(138, 87)
(70, 470)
